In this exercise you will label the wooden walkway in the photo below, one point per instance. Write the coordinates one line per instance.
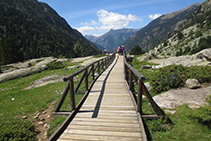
(108, 112)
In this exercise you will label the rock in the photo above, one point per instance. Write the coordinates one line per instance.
(70, 67)
(40, 123)
(46, 126)
(148, 86)
(192, 83)
(144, 58)
(96, 74)
(170, 112)
(62, 60)
(130, 58)
(146, 67)
(177, 97)
(207, 55)
(18, 73)
(24, 117)
(193, 106)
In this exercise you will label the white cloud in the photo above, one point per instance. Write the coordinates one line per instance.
(155, 16)
(110, 20)
(85, 29)
(92, 23)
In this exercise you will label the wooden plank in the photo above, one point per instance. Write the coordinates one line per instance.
(114, 113)
(107, 120)
(66, 137)
(103, 133)
(105, 128)
(111, 124)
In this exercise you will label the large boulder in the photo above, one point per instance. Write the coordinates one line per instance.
(192, 83)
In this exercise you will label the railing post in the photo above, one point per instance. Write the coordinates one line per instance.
(93, 72)
(86, 80)
(139, 101)
(72, 94)
(130, 80)
(98, 69)
(63, 97)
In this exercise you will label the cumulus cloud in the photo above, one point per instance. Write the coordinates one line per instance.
(155, 16)
(110, 20)
(85, 29)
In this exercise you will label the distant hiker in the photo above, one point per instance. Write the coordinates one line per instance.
(120, 50)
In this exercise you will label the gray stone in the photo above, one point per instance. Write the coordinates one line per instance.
(192, 83)
(193, 106)
(177, 97)
(62, 60)
(148, 86)
(24, 117)
(40, 123)
(144, 58)
(18, 73)
(146, 67)
(207, 55)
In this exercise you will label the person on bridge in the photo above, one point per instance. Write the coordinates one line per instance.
(120, 50)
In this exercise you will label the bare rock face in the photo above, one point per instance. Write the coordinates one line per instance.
(193, 83)
(26, 70)
(178, 97)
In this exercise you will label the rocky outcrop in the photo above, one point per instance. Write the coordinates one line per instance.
(178, 97)
(25, 69)
(200, 59)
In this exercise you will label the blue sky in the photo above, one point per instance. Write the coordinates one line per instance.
(96, 17)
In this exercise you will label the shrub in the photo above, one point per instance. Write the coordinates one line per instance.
(55, 65)
(136, 50)
(174, 76)
(18, 130)
(166, 78)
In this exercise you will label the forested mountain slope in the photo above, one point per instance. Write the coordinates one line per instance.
(193, 36)
(31, 29)
(160, 28)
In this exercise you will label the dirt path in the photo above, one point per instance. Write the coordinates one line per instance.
(45, 118)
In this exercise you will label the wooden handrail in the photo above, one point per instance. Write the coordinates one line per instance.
(130, 76)
(95, 66)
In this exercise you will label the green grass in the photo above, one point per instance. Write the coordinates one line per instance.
(16, 102)
(188, 124)
(185, 128)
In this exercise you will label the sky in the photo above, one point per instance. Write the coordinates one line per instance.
(96, 17)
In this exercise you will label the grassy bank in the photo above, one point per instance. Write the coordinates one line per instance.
(17, 102)
(187, 124)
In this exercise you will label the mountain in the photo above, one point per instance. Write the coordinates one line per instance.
(159, 29)
(112, 39)
(32, 29)
(193, 36)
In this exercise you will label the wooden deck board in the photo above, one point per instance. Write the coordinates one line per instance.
(108, 112)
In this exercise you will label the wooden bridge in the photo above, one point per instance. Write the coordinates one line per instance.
(110, 108)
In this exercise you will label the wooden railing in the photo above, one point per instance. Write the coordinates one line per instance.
(133, 76)
(93, 70)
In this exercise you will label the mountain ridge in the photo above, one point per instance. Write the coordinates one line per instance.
(159, 28)
(113, 38)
